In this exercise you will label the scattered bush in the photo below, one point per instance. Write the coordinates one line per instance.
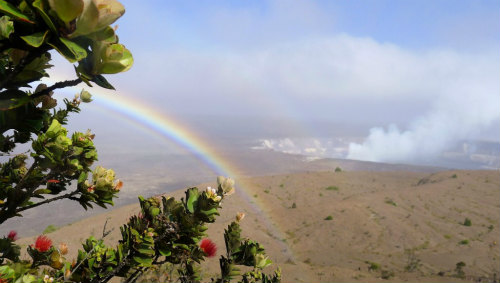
(294, 205)
(391, 202)
(464, 242)
(467, 222)
(459, 269)
(372, 266)
(49, 229)
(412, 262)
(454, 176)
(332, 188)
(329, 217)
(386, 274)
(338, 169)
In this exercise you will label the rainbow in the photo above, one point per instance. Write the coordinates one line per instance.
(158, 124)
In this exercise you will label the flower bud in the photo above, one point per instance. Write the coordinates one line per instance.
(240, 216)
(85, 96)
(96, 15)
(63, 248)
(227, 185)
(118, 185)
(111, 58)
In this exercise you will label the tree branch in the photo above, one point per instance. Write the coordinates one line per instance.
(68, 195)
(55, 86)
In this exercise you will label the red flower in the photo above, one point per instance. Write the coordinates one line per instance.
(12, 235)
(53, 181)
(208, 247)
(43, 244)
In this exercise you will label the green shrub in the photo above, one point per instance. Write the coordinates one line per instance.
(464, 242)
(332, 188)
(467, 222)
(459, 269)
(329, 217)
(391, 202)
(386, 274)
(338, 169)
(372, 266)
(61, 165)
(49, 229)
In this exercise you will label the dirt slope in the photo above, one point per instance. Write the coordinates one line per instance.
(391, 221)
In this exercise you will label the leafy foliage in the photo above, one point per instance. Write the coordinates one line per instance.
(60, 165)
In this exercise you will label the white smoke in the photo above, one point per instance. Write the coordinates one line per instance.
(460, 110)
(312, 147)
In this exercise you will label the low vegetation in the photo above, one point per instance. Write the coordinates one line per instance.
(167, 235)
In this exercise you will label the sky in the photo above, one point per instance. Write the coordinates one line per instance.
(419, 74)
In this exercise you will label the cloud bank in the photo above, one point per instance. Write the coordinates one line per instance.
(466, 100)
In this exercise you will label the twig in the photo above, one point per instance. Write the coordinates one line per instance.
(68, 195)
(104, 234)
(57, 85)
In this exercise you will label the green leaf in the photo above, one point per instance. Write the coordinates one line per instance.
(192, 196)
(146, 251)
(12, 98)
(69, 49)
(143, 261)
(154, 211)
(102, 82)
(11, 10)
(36, 39)
(210, 212)
(42, 191)
(106, 35)
(120, 252)
(182, 246)
(165, 252)
(67, 10)
(115, 59)
(39, 6)
(26, 118)
(6, 27)
(82, 177)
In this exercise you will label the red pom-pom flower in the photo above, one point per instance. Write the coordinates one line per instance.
(208, 247)
(43, 244)
(12, 235)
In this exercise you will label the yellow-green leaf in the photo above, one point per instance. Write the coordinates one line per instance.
(11, 10)
(69, 49)
(67, 10)
(40, 6)
(36, 39)
(6, 27)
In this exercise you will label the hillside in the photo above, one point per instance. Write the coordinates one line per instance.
(389, 221)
